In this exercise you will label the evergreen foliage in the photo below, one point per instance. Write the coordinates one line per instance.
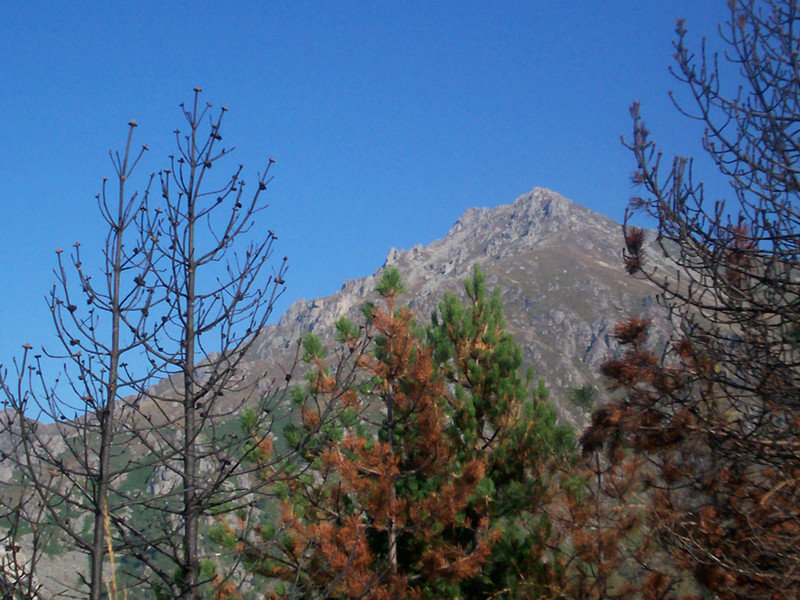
(500, 414)
(383, 483)
(432, 479)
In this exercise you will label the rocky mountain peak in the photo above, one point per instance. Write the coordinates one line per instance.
(536, 219)
(556, 263)
(538, 206)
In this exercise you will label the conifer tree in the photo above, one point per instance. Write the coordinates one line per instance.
(606, 549)
(381, 512)
(438, 473)
(501, 417)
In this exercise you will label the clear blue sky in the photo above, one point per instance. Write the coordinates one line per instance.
(387, 119)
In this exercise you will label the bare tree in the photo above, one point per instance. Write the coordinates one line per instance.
(68, 465)
(717, 412)
(212, 301)
(23, 531)
(180, 299)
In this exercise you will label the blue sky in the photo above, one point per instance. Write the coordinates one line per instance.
(386, 119)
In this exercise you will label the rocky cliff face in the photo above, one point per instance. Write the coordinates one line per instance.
(559, 269)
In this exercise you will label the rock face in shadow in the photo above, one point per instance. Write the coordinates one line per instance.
(559, 269)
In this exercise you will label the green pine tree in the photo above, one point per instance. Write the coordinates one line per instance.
(435, 459)
(500, 413)
(382, 488)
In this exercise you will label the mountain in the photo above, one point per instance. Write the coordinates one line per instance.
(559, 269)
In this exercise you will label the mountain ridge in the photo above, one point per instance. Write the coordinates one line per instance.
(562, 283)
(523, 210)
(558, 265)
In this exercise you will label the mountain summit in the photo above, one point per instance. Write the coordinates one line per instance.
(559, 269)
